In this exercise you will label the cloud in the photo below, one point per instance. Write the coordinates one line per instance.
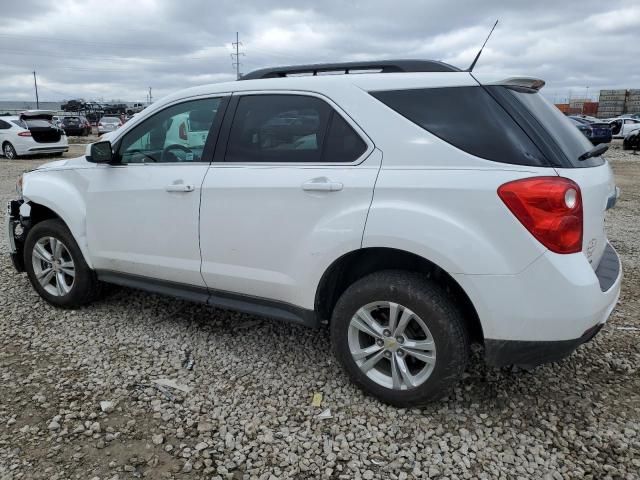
(117, 49)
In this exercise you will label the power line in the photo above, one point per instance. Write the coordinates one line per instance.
(236, 56)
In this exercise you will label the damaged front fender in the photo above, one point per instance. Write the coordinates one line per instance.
(17, 227)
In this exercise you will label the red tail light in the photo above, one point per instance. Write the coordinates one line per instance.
(24, 134)
(550, 208)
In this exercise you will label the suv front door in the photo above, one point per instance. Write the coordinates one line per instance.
(142, 212)
(288, 195)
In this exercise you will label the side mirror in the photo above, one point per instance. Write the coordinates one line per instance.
(101, 153)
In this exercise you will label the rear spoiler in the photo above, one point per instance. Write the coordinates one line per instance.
(525, 82)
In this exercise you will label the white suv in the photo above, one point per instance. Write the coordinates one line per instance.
(413, 207)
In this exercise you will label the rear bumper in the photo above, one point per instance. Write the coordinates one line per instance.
(597, 140)
(500, 353)
(55, 149)
(546, 311)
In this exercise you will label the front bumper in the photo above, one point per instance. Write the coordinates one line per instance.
(16, 234)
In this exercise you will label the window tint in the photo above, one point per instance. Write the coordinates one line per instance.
(343, 144)
(4, 125)
(468, 118)
(569, 139)
(290, 128)
(176, 134)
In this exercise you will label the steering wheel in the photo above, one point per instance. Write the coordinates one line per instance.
(174, 146)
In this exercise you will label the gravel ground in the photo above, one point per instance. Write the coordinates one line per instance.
(249, 412)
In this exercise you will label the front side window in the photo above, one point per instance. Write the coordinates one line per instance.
(290, 128)
(175, 134)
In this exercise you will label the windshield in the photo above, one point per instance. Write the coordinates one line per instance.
(558, 127)
(37, 123)
(110, 120)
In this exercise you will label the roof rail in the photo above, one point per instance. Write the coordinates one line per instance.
(383, 66)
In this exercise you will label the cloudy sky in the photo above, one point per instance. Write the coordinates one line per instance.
(116, 49)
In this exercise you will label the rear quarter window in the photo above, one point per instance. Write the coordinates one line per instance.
(467, 118)
(558, 129)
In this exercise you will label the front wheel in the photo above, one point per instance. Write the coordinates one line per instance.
(56, 267)
(400, 338)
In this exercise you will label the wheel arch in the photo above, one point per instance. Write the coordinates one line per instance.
(61, 202)
(356, 264)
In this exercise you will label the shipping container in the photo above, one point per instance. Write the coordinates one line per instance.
(563, 107)
(590, 108)
(622, 91)
(611, 98)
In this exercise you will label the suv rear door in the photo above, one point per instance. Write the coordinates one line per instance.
(286, 195)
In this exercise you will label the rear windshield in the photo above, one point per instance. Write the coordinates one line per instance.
(559, 128)
(110, 120)
(36, 123)
(468, 118)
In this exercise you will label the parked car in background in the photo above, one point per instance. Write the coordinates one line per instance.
(596, 132)
(588, 117)
(412, 214)
(76, 125)
(135, 108)
(31, 133)
(109, 124)
(73, 105)
(631, 141)
(57, 121)
(620, 127)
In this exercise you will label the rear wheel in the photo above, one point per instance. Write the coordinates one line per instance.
(8, 151)
(56, 267)
(399, 337)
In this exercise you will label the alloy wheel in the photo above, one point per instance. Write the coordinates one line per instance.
(53, 266)
(8, 151)
(392, 345)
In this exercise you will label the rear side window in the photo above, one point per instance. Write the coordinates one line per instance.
(467, 118)
(290, 129)
(4, 125)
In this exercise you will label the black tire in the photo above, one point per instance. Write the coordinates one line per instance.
(432, 304)
(85, 287)
(8, 151)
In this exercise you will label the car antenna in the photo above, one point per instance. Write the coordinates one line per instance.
(475, 60)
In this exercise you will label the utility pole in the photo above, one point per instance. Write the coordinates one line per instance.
(35, 83)
(236, 56)
(150, 97)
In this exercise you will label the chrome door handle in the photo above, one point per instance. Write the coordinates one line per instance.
(179, 187)
(321, 184)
